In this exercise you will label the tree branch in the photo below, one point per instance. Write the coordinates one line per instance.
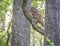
(32, 21)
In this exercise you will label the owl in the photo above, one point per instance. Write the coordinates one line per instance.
(36, 15)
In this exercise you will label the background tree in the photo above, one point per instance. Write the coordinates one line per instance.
(53, 21)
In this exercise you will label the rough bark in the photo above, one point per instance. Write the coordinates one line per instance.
(53, 21)
(20, 26)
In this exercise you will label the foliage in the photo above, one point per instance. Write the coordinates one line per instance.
(5, 6)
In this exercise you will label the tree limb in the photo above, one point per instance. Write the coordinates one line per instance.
(32, 21)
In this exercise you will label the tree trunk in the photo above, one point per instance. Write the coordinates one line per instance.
(53, 21)
(20, 26)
